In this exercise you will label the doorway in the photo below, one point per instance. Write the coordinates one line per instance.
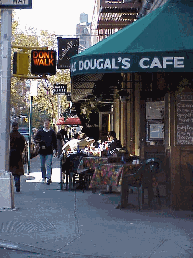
(105, 124)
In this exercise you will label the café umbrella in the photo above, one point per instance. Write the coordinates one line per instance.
(69, 121)
(60, 121)
(72, 121)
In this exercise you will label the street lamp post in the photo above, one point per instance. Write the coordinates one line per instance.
(30, 133)
(6, 183)
(5, 85)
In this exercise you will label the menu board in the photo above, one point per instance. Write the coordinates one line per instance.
(184, 119)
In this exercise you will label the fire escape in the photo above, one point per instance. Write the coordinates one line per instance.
(115, 15)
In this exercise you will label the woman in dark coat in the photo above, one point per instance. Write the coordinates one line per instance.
(17, 145)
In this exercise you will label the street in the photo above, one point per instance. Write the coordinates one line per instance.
(48, 222)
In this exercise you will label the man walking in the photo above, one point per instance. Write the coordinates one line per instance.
(46, 138)
(17, 145)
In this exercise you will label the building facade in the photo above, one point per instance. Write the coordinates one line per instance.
(149, 111)
(83, 32)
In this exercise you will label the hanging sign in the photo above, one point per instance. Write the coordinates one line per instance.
(68, 94)
(67, 47)
(60, 89)
(43, 62)
(16, 4)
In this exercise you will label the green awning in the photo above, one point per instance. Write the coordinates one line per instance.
(162, 41)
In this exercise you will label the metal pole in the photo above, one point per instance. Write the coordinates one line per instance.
(61, 176)
(138, 198)
(141, 196)
(5, 85)
(7, 195)
(30, 128)
(58, 106)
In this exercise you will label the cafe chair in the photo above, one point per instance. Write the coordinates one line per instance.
(76, 180)
(146, 173)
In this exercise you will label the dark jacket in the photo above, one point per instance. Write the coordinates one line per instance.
(47, 141)
(17, 145)
(114, 144)
(62, 135)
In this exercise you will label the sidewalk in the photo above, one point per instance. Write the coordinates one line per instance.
(48, 222)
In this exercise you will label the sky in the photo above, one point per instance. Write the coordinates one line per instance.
(59, 16)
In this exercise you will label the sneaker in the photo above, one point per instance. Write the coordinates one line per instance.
(43, 180)
(49, 181)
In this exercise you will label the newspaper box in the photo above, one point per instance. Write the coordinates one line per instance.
(6, 190)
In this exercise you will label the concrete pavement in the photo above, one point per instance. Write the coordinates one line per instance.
(48, 222)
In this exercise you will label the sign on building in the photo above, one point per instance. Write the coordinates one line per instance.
(43, 62)
(184, 118)
(68, 94)
(60, 89)
(16, 4)
(67, 47)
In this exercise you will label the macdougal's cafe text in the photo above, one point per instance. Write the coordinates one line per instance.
(127, 64)
(124, 63)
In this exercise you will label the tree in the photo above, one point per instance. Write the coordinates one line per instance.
(19, 90)
(45, 104)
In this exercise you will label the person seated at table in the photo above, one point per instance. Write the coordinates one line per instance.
(72, 144)
(85, 141)
(115, 143)
(79, 142)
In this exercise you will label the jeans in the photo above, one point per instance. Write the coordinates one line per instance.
(46, 162)
(17, 182)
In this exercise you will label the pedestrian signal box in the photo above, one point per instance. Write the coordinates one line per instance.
(43, 62)
(20, 63)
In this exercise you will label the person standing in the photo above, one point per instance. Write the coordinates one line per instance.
(46, 138)
(61, 137)
(17, 145)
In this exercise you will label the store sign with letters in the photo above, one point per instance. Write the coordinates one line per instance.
(184, 118)
(16, 4)
(135, 62)
(60, 89)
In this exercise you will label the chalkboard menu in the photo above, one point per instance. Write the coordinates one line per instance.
(184, 119)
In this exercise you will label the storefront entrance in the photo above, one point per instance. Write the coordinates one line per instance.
(105, 124)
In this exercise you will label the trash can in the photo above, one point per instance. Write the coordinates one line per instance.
(6, 190)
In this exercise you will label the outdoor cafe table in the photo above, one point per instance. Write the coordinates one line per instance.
(109, 174)
(114, 174)
(106, 174)
(87, 166)
(92, 162)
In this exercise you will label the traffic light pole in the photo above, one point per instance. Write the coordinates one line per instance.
(30, 133)
(5, 85)
(6, 179)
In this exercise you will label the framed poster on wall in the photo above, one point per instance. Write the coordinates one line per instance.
(155, 109)
(155, 130)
